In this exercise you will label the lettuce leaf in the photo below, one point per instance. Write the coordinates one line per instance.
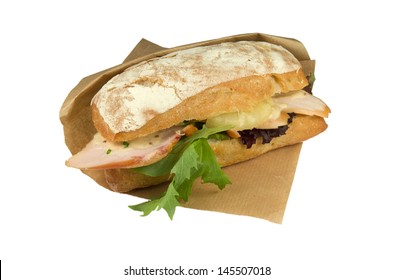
(190, 159)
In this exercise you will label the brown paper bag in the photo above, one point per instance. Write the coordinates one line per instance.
(260, 187)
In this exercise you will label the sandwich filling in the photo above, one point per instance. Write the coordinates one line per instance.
(266, 120)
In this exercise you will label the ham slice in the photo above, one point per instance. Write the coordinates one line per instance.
(302, 102)
(102, 154)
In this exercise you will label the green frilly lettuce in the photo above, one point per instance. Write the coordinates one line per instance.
(190, 159)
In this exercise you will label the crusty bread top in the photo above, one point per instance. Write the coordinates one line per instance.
(148, 89)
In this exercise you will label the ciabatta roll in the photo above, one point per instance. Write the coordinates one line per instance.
(249, 87)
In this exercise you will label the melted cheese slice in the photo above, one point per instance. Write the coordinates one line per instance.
(271, 113)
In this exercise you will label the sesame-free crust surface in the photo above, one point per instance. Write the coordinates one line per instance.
(75, 116)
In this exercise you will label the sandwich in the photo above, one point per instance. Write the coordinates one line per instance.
(187, 114)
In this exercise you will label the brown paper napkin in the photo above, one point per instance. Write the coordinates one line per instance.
(260, 187)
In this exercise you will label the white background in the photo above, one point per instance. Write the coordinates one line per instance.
(56, 223)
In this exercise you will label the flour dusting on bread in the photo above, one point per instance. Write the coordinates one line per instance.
(129, 100)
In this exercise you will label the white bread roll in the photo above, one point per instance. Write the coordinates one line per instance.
(197, 84)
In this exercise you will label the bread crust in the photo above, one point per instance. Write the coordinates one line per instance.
(129, 106)
(302, 128)
(76, 111)
(228, 152)
(237, 95)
